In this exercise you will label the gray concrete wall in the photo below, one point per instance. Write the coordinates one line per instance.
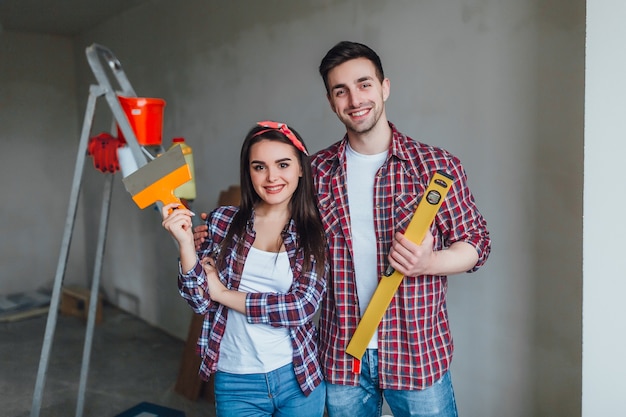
(500, 84)
(39, 132)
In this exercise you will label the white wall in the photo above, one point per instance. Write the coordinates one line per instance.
(498, 83)
(604, 264)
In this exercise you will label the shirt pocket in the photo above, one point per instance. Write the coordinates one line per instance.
(329, 213)
(405, 206)
(404, 209)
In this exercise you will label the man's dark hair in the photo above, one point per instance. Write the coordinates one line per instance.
(346, 51)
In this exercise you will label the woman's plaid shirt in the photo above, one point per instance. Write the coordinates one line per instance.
(294, 310)
(414, 341)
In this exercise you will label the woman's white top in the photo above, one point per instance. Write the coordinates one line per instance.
(257, 348)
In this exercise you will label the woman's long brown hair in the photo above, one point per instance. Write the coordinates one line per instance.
(303, 203)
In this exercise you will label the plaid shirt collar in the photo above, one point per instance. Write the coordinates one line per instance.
(397, 149)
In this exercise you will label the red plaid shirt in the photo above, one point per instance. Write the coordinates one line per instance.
(414, 340)
(294, 309)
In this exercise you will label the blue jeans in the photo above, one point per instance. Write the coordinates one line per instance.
(276, 393)
(366, 399)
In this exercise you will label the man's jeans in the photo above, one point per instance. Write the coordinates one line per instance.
(276, 393)
(366, 399)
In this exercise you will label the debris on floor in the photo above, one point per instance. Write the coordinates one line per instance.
(23, 305)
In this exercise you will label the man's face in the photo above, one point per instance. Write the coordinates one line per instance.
(356, 94)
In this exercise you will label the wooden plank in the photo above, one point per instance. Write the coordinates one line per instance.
(188, 383)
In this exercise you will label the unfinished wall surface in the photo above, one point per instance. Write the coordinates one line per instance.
(498, 83)
(39, 134)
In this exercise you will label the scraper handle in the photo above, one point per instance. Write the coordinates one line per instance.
(172, 199)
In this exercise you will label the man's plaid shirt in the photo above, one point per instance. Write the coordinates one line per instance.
(414, 341)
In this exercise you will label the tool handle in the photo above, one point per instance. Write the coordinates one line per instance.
(171, 198)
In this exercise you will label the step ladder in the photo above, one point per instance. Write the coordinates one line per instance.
(97, 55)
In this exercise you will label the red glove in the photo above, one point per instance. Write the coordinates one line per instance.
(103, 149)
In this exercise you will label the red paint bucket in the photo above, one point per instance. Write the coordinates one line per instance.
(146, 118)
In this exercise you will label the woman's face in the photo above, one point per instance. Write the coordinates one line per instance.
(274, 171)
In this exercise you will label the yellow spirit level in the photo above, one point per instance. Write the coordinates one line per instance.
(424, 215)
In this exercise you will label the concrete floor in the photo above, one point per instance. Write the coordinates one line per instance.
(131, 362)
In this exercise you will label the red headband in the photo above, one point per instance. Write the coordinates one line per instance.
(284, 129)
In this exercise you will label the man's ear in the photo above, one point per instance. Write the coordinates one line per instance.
(386, 88)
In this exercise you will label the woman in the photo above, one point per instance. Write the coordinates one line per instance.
(258, 279)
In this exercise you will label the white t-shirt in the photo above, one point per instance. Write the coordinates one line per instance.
(362, 171)
(257, 348)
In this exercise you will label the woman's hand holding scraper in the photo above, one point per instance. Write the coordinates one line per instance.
(177, 221)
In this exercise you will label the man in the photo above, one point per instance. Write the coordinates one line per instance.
(368, 186)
